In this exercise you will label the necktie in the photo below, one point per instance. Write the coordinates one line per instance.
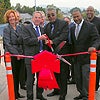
(40, 41)
(52, 28)
(77, 31)
(37, 31)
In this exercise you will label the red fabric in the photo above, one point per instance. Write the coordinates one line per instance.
(46, 63)
(47, 79)
(48, 41)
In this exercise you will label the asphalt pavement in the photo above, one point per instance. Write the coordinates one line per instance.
(72, 92)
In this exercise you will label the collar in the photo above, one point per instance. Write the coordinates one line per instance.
(80, 23)
(53, 22)
(34, 26)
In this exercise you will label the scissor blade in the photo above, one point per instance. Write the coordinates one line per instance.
(60, 46)
(64, 60)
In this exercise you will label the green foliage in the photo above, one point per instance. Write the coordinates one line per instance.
(30, 10)
(96, 12)
(4, 6)
(59, 13)
(7, 4)
(1, 11)
(25, 9)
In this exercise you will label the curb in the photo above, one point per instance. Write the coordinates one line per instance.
(3, 83)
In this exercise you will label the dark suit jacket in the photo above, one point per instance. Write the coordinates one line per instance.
(88, 37)
(31, 43)
(59, 34)
(96, 21)
(12, 40)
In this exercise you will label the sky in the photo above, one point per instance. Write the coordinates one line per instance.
(59, 3)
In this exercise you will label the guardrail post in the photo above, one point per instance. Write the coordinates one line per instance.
(9, 75)
(92, 78)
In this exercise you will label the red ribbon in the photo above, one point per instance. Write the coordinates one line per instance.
(46, 63)
(74, 54)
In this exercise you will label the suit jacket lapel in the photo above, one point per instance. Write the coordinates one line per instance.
(81, 31)
(32, 30)
(73, 33)
(41, 30)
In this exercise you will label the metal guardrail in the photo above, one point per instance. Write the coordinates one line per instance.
(2, 26)
(1, 52)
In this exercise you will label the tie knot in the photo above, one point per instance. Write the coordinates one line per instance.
(52, 25)
(36, 27)
(77, 25)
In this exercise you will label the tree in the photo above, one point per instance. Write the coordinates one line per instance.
(4, 6)
(7, 4)
(25, 9)
(59, 13)
(1, 12)
(96, 12)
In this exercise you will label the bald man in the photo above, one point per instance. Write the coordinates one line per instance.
(90, 12)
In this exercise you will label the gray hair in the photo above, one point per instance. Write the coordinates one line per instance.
(51, 8)
(37, 12)
(76, 10)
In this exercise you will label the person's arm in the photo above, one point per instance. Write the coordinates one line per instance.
(8, 47)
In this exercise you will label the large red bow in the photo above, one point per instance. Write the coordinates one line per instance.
(46, 63)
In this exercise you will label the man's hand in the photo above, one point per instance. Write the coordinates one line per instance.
(91, 49)
(48, 41)
(18, 58)
(42, 37)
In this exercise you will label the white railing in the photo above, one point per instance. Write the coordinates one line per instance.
(1, 52)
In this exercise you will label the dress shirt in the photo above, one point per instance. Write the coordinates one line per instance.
(79, 27)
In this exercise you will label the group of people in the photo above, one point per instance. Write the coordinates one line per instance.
(31, 39)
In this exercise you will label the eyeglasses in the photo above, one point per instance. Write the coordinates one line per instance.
(51, 15)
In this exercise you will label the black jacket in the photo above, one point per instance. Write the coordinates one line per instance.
(88, 37)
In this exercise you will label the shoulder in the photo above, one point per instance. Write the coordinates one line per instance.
(97, 18)
(86, 23)
(61, 21)
(72, 24)
(47, 25)
(90, 26)
(7, 28)
(27, 26)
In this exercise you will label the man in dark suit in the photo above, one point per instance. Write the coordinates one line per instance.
(84, 38)
(57, 31)
(22, 76)
(32, 38)
(90, 12)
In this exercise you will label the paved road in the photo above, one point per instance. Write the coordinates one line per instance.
(72, 92)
